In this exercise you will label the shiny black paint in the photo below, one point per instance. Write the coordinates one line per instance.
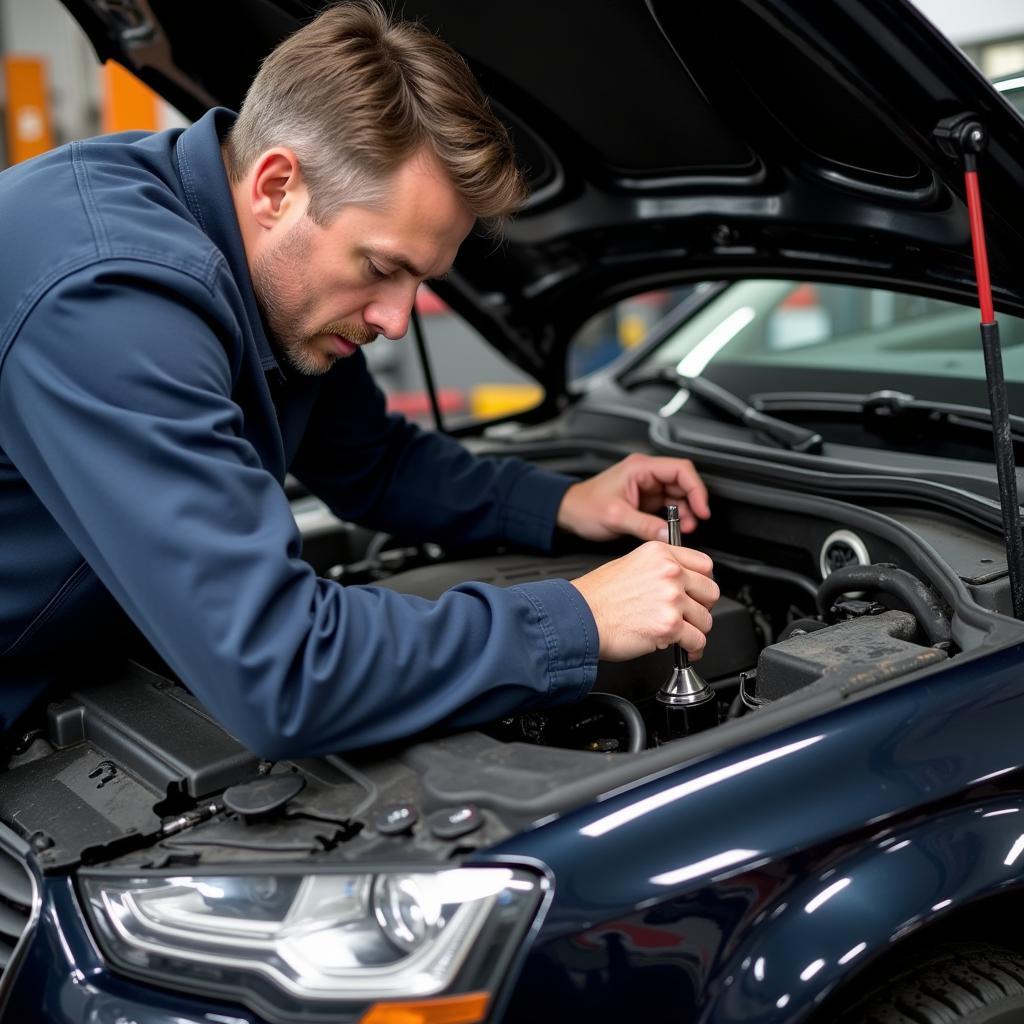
(890, 793)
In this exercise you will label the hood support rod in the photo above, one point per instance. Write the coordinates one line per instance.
(428, 371)
(963, 138)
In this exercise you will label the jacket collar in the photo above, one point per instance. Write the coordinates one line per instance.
(205, 184)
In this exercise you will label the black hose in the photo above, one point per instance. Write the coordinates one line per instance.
(922, 601)
(635, 727)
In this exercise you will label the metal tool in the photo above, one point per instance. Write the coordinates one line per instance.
(686, 703)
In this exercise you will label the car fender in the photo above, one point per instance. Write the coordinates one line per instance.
(860, 907)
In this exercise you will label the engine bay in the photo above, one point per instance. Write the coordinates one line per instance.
(822, 601)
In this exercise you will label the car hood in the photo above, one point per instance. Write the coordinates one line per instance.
(667, 142)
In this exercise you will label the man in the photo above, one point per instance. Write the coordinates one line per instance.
(182, 315)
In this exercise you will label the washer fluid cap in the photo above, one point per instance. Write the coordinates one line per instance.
(842, 548)
(264, 795)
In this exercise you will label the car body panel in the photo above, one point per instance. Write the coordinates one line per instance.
(884, 892)
(842, 796)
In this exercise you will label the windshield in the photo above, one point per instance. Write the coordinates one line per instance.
(1013, 90)
(790, 335)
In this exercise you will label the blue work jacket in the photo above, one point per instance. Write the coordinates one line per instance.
(145, 432)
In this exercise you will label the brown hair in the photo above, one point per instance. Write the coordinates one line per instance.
(355, 94)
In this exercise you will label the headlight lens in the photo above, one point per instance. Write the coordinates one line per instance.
(318, 946)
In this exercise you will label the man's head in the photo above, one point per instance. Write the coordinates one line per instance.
(362, 155)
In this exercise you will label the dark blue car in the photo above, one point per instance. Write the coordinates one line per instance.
(838, 835)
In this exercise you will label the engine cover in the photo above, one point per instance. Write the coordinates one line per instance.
(732, 643)
(864, 650)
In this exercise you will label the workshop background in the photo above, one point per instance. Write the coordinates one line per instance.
(51, 91)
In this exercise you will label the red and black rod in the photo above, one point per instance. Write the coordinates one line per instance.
(970, 139)
(988, 315)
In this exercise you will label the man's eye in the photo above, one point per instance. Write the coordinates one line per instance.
(375, 271)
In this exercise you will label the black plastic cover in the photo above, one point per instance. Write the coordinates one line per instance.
(129, 746)
(860, 651)
(154, 728)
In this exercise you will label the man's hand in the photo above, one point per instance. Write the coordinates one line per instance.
(621, 500)
(649, 599)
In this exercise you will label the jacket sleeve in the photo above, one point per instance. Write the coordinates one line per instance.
(117, 411)
(382, 471)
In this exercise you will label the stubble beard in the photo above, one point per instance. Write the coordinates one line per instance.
(281, 297)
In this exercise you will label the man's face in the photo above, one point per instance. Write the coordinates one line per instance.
(325, 291)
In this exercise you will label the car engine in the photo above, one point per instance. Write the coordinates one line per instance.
(821, 600)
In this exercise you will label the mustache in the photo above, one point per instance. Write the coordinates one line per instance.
(352, 332)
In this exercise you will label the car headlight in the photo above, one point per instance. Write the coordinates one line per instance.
(320, 946)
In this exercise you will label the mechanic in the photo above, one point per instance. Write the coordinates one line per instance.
(181, 318)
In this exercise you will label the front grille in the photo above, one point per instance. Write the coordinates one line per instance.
(15, 904)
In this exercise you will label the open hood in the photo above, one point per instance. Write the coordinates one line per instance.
(667, 142)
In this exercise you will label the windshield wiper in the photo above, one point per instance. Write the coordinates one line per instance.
(885, 407)
(788, 435)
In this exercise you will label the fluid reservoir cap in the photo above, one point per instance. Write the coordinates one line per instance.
(263, 795)
(452, 822)
(396, 819)
(841, 549)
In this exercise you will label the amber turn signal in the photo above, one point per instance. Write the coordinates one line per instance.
(463, 1009)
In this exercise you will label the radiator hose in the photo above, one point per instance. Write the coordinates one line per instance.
(920, 600)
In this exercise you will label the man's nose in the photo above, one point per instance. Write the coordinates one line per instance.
(390, 315)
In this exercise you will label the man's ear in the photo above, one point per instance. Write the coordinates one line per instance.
(277, 191)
